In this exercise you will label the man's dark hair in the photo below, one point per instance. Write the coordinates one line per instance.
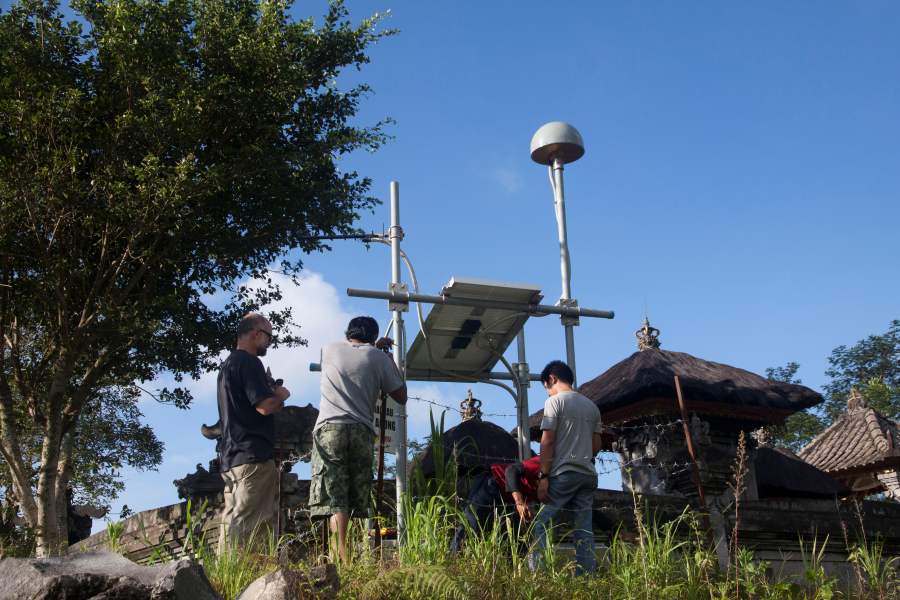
(558, 369)
(249, 323)
(364, 329)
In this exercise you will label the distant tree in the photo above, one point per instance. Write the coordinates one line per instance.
(873, 366)
(173, 151)
(798, 429)
(784, 374)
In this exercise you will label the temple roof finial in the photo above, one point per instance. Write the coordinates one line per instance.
(856, 399)
(647, 337)
(470, 408)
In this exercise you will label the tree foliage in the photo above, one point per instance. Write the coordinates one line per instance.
(168, 151)
(798, 429)
(872, 360)
(872, 366)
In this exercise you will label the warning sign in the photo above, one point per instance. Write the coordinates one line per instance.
(390, 426)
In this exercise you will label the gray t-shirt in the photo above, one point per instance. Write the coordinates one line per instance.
(352, 377)
(575, 419)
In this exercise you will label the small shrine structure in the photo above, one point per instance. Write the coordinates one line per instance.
(861, 449)
(638, 401)
(474, 444)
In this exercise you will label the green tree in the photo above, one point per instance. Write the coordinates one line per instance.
(874, 359)
(798, 429)
(168, 151)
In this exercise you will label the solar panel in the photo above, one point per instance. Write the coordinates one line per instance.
(451, 329)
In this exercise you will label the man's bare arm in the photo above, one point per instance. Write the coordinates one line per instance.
(548, 445)
(274, 403)
(399, 395)
(596, 443)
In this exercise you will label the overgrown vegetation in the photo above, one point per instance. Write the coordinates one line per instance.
(660, 560)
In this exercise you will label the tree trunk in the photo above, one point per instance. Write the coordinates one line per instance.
(64, 473)
(48, 522)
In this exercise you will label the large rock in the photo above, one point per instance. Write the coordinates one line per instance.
(101, 575)
(321, 583)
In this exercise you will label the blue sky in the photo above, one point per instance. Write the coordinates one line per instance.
(742, 170)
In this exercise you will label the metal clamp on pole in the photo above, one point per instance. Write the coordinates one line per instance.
(397, 304)
(524, 374)
(568, 321)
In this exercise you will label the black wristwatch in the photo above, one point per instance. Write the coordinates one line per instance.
(542, 475)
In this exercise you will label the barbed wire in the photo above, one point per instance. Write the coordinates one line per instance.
(672, 468)
(668, 424)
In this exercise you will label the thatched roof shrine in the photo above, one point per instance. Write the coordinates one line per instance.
(477, 444)
(860, 448)
(782, 474)
(643, 385)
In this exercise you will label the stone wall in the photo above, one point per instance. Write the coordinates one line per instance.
(167, 527)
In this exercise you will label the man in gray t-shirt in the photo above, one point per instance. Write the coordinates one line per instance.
(354, 371)
(570, 439)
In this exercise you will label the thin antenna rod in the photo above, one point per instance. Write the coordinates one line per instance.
(645, 305)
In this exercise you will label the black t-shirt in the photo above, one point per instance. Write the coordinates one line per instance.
(247, 436)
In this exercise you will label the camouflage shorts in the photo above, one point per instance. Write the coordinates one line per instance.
(342, 460)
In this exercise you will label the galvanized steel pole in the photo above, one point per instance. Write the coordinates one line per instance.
(396, 234)
(565, 262)
(524, 424)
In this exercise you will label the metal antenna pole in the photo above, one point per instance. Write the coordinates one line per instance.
(565, 263)
(524, 423)
(396, 234)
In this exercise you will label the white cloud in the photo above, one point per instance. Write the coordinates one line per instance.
(509, 179)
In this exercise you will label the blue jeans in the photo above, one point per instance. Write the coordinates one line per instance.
(485, 493)
(574, 492)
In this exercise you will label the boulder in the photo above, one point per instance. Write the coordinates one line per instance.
(321, 583)
(101, 575)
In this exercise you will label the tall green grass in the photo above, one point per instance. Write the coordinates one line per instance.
(661, 560)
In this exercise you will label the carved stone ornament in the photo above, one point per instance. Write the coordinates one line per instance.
(761, 436)
(470, 408)
(856, 399)
(700, 431)
(647, 337)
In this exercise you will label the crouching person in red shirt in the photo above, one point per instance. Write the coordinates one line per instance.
(510, 483)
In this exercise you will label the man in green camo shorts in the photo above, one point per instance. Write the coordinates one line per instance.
(354, 372)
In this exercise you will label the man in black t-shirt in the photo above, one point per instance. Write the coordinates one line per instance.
(247, 407)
